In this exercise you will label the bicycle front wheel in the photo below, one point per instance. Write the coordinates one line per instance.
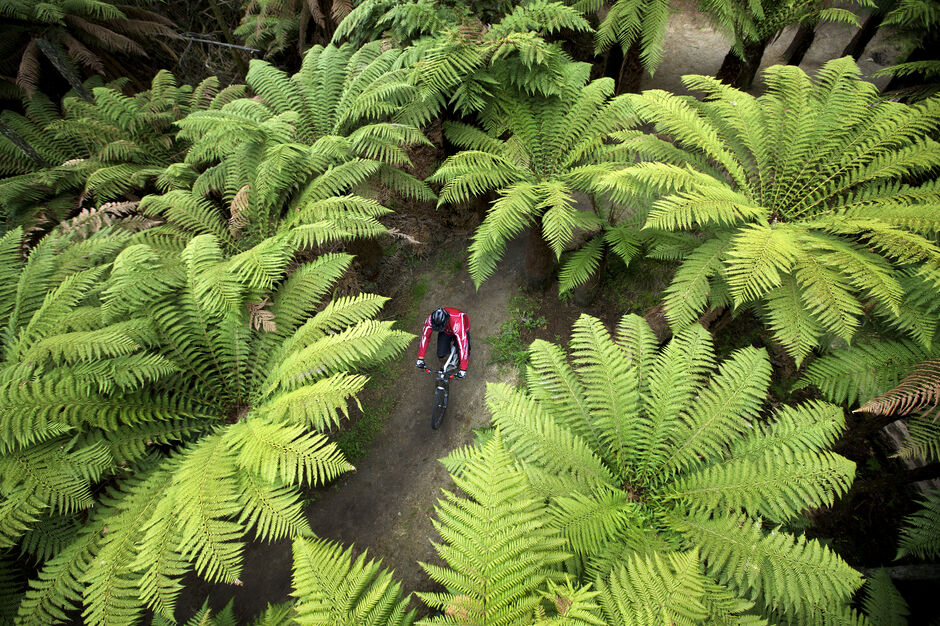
(440, 405)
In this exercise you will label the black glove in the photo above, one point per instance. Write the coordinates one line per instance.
(421, 364)
(462, 374)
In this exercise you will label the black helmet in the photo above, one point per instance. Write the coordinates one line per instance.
(439, 319)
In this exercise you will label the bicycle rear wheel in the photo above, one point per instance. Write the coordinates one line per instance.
(440, 405)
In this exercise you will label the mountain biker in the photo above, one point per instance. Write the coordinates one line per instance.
(452, 325)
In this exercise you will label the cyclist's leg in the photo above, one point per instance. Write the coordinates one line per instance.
(443, 345)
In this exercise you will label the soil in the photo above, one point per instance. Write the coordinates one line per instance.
(386, 505)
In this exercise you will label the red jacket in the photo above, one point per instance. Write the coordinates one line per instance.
(457, 325)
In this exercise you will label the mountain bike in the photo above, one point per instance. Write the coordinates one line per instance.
(442, 378)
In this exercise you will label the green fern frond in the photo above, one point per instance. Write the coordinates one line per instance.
(110, 596)
(672, 382)
(726, 406)
(800, 481)
(865, 371)
(653, 590)
(610, 387)
(756, 258)
(333, 588)
(589, 521)
(687, 294)
(525, 428)
(882, 602)
(809, 427)
(57, 588)
(509, 215)
(793, 573)
(281, 454)
(920, 535)
(578, 268)
(489, 586)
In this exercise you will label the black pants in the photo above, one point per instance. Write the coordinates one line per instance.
(444, 341)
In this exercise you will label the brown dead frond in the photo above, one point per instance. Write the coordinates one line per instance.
(459, 607)
(151, 16)
(39, 226)
(472, 29)
(121, 214)
(919, 392)
(260, 318)
(142, 29)
(562, 604)
(106, 38)
(238, 221)
(85, 57)
(27, 77)
(394, 232)
(340, 9)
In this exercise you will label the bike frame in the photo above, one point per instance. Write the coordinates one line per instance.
(446, 372)
(442, 378)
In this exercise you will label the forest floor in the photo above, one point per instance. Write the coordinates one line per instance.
(386, 505)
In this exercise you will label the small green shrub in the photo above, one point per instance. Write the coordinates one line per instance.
(510, 343)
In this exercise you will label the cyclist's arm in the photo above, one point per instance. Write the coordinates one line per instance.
(461, 326)
(425, 338)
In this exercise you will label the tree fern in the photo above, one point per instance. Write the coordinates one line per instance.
(686, 452)
(536, 158)
(334, 129)
(97, 151)
(799, 195)
(155, 382)
(475, 59)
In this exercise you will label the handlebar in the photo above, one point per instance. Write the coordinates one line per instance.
(450, 376)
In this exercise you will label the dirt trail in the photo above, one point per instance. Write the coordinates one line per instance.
(388, 502)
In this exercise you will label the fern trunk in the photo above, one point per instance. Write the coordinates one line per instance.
(896, 480)
(865, 34)
(738, 72)
(229, 38)
(539, 260)
(801, 43)
(631, 70)
(20, 142)
(861, 430)
(925, 51)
